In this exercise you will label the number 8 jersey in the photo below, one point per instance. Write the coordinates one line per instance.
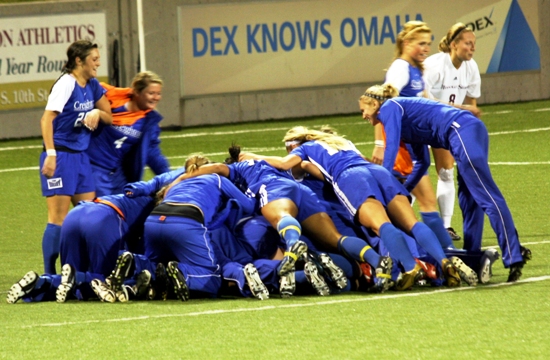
(72, 102)
(446, 83)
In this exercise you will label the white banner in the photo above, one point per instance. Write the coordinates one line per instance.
(33, 51)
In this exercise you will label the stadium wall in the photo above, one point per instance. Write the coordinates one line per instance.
(224, 82)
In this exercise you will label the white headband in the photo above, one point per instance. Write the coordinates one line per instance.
(290, 143)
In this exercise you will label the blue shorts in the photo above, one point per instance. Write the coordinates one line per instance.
(73, 175)
(305, 199)
(356, 184)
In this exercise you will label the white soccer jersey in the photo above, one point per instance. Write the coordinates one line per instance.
(446, 83)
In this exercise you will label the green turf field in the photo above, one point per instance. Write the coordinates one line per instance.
(495, 321)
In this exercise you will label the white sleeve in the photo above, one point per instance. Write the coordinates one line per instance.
(398, 74)
(60, 94)
(431, 74)
(474, 86)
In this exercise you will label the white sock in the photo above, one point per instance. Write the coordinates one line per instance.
(446, 200)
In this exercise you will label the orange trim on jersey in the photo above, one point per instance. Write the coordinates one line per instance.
(111, 205)
(119, 97)
(403, 161)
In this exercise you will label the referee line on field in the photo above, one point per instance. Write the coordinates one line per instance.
(266, 308)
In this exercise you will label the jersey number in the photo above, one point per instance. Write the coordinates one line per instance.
(79, 118)
(452, 99)
(118, 143)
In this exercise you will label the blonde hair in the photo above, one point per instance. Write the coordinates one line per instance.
(144, 79)
(380, 93)
(303, 134)
(410, 31)
(455, 33)
(194, 162)
(159, 196)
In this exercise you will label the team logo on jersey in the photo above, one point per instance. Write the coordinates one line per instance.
(55, 183)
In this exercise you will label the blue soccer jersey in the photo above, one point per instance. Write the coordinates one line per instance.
(209, 193)
(406, 78)
(330, 161)
(72, 102)
(250, 175)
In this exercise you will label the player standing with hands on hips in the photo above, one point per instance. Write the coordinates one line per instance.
(75, 106)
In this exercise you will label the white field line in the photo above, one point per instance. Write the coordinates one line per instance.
(279, 307)
(277, 148)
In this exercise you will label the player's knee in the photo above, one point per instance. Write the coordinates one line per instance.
(446, 174)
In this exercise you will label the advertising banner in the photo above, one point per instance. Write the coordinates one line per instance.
(252, 46)
(33, 52)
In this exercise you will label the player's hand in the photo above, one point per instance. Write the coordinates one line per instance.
(473, 109)
(131, 190)
(377, 155)
(48, 168)
(92, 119)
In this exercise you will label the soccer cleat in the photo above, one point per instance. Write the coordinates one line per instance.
(287, 284)
(452, 233)
(68, 277)
(120, 272)
(291, 256)
(464, 271)
(178, 281)
(102, 291)
(382, 279)
(333, 271)
(315, 279)
(409, 278)
(515, 271)
(124, 293)
(161, 284)
(429, 269)
(486, 269)
(22, 287)
(450, 273)
(525, 254)
(255, 284)
(366, 271)
(143, 283)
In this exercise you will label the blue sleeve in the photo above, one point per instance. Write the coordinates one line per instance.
(231, 191)
(422, 155)
(299, 151)
(141, 188)
(391, 115)
(155, 159)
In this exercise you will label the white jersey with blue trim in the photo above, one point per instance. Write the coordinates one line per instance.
(72, 102)
(406, 78)
(330, 161)
(446, 83)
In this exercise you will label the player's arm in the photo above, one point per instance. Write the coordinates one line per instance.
(281, 163)
(46, 124)
(220, 169)
(420, 167)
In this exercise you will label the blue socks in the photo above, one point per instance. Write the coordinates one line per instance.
(397, 247)
(50, 247)
(427, 239)
(435, 223)
(358, 249)
(290, 230)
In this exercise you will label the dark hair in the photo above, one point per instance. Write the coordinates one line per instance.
(79, 49)
(234, 152)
